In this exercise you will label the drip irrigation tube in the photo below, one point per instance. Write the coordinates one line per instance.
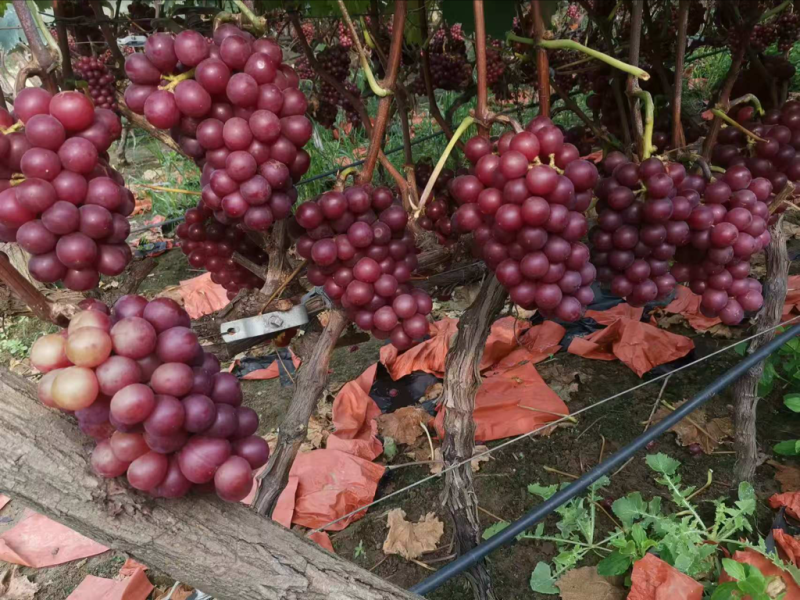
(611, 463)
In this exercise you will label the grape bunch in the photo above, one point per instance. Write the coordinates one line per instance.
(776, 158)
(528, 219)
(727, 229)
(345, 41)
(102, 83)
(636, 238)
(440, 209)
(303, 69)
(309, 31)
(788, 28)
(161, 411)
(450, 69)
(763, 36)
(361, 252)
(60, 200)
(236, 109)
(751, 79)
(336, 61)
(495, 64)
(209, 244)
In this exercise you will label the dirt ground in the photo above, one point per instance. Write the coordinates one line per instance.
(502, 482)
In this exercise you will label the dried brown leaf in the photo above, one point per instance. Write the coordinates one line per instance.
(433, 392)
(182, 592)
(787, 476)
(410, 540)
(791, 230)
(722, 331)
(697, 429)
(585, 584)
(16, 586)
(561, 380)
(403, 424)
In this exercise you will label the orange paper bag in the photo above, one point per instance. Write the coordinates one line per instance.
(654, 579)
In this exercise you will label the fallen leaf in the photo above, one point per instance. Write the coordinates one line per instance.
(584, 583)
(722, 331)
(15, 586)
(403, 424)
(182, 592)
(787, 476)
(433, 392)
(561, 380)
(475, 463)
(689, 433)
(421, 450)
(410, 540)
(791, 230)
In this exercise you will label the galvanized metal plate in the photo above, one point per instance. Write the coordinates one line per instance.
(266, 324)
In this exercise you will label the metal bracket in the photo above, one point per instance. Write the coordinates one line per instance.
(272, 323)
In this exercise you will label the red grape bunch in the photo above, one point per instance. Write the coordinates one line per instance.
(68, 208)
(209, 244)
(525, 202)
(345, 41)
(637, 232)
(236, 109)
(728, 228)
(360, 250)
(102, 83)
(777, 157)
(450, 69)
(440, 209)
(336, 61)
(162, 413)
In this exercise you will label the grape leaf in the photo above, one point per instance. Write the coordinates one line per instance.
(787, 448)
(792, 402)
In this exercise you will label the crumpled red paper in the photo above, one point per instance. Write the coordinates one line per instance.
(791, 305)
(687, 303)
(134, 585)
(623, 310)
(791, 500)
(654, 579)
(498, 413)
(427, 356)
(538, 343)
(201, 296)
(322, 539)
(788, 546)
(354, 414)
(502, 340)
(768, 569)
(330, 484)
(639, 345)
(272, 371)
(37, 541)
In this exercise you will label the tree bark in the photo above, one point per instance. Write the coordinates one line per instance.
(29, 294)
(39, 49)
(745, 390)
(723, 101)
(311, 381)
(122, 159)
(461, 382)
(224, 549)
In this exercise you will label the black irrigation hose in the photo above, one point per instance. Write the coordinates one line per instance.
(582, 483)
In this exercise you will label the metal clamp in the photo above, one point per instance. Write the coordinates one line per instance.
(272, 323)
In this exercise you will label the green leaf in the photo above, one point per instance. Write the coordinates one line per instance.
(661, 463)
(787, 448)
(543, 491)
(740, 348)
(792, 402)
(613, 564)
(629, 508)
(389, 448)
(734, 569)
(3, 7)
(494, 529)
(542, 580)
(638, 534)
(725, 591)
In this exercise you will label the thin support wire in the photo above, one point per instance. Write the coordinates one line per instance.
(550, 424)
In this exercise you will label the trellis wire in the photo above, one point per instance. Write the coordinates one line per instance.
(507, 443)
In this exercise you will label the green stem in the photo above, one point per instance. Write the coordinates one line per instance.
(259, 23)
(174, 80)
(736, 125)
(749, 99)
(440, 165)
(362, 56)
(571, 45)
(677, 494)
(774, 11)
(649, 122)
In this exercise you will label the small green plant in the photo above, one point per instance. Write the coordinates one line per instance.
(679, 536)
(750, 583)
(359, 550)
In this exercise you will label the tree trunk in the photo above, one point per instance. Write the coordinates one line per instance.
(745, 390)
(122, 143)
(461, 381)
(225, 549)
(311, 381)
